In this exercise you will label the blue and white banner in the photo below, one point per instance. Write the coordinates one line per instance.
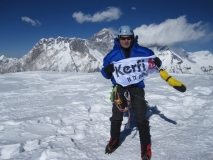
(133, 70)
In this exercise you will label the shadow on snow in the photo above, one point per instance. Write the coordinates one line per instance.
(151, 110)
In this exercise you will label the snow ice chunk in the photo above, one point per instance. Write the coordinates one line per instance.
(31, 145)
(1, 128)
(9, 151)
(203, 90)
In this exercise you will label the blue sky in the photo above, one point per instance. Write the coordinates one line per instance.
(182, 23)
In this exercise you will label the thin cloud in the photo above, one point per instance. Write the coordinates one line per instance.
(112, 13)
(171, 31)
(133, 8)
(32, 22)
(114, 31)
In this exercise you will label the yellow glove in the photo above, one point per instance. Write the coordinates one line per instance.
(172, 81)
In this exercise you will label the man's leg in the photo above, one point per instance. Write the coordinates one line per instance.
(116, 121)
(138, 104)
(117, 116)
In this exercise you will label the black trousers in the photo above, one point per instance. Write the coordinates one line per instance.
(138, 105)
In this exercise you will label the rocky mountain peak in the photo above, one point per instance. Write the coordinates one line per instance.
(105, 35)
(86, 55)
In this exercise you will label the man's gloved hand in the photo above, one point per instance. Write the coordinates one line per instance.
(157, 62)
(109, 69)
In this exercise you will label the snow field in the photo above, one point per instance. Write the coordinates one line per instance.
(51, 116)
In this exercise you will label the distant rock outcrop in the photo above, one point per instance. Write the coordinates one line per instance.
(86, 55)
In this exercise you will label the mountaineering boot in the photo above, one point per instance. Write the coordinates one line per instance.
(112, 145)
(146, 152)
(145, 158)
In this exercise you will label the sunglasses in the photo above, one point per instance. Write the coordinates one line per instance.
(124, 38)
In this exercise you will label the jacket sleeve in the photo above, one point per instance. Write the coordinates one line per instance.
(105, 63)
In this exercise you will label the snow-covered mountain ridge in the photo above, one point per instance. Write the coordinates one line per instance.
(176, 60)
(86, 55)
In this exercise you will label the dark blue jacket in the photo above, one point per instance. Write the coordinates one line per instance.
(118, 54)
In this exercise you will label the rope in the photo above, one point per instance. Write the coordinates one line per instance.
(118, 103)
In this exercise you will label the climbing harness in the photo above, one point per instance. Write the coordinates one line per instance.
(117, 100)
(128, 98)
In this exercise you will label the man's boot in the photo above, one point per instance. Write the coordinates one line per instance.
(146, 152)
(112, 145)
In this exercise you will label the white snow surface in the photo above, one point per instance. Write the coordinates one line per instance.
(65, 116)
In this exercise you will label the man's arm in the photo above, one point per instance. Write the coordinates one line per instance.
(107, 69)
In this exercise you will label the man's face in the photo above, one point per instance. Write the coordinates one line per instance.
(125, 41)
